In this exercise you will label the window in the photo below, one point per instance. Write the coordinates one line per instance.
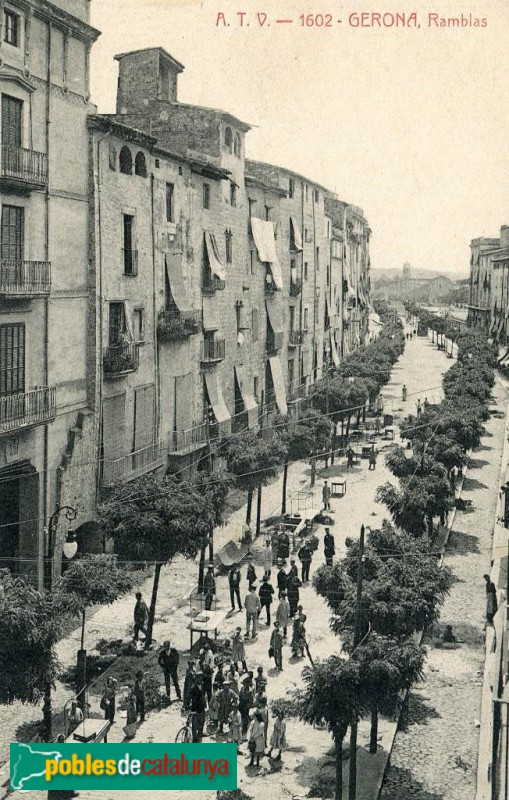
(11, 28)
(12, 244)
(126, 161)
(238, 315)
(12, 114)
(305, 270)
(130, 254)
(318, 258)
(228, 236)
(317, 195)
(267, 212)
(254, 325)
(170, 211)
(233, 194)
(12, 359)
(206, 195)
(256, 387)
(251, 262)
(140, 165)
(181, 171)
(237, 147)
(139, 325)
(228, 139)
(307, 192)
(291, 322)
(305, 324)
(251, 203)
(117, 326)
(291, 372)
(293, 264)
(291, 188)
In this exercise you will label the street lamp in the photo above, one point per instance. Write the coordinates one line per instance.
(70, 545)
(408, 451)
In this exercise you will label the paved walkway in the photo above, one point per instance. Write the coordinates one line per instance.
(421, 368)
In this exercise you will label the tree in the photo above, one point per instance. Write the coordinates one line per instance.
(153, 521)
(333, 696)
(215, 486)
(253, 461)
(30, 626)
(302, 439)
(420, 499)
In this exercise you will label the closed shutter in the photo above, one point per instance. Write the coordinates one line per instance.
(12, 359)
(12, 233)
(11, 121)
(144, 417)
(113, 433)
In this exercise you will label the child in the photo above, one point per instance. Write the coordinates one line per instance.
(278, 738)
(256, 739)
(132, 715)
(139, 689)
(264, 711)
(260, 680)
(214, 709)
(235, 723)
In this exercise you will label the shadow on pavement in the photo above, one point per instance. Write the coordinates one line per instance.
(477, 463)
(417, 710)
(399, 784)
(462, 544)
(469, 484)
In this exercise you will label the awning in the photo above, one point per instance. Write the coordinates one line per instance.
(250, 404)
(275, 317)
(297, 238)
(216, 400)
(210, 320)
(294, 277)
(279, 384)
(334, 350)
(216, 265)
(263, 235)
(176, 280)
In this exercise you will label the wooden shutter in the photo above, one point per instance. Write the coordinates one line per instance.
(11, 121)
(12, 233)
(113, 427)
(116, 323)
(144, 417)
(12, 359)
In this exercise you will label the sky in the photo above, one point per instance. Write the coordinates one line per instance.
(410, 124)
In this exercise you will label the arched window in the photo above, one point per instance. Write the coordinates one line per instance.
(237, 149)
(228, 139)
(140, 165)
(126, 161)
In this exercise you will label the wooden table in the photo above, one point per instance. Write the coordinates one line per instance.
(338, 488)
(204, 623)
(90, 730)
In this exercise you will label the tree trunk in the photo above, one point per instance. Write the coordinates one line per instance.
(259, 510)
(201, 568)
(285, 482)
(249, 506)
(333, 446)
(359, 412)
(313, 470)
(338, 741)
(211, 546)
(364, 413)
(373, 736)
(83, 613)
(46, 713)
(348, 422)
(352, 772)
(152, 609)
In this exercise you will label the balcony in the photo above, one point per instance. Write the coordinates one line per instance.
(274, 342)
(182, 442)
(270, 286)
(295, 287)
(128, 468)
(24, 410)
(25, 278)
(120, 359)
(130, 262)
(295, 338)
(174, 326)
(22, 170)
(212, 285)
(213, 351)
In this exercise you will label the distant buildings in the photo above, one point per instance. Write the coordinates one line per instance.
(488, 307)
(429, 290)
(157, 289)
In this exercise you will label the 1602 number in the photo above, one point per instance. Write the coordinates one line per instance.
(316, 20)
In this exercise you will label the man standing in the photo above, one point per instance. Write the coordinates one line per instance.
(305, 556)
(209, 587)
(293, 570)
(283, 545)
(292, 588)
(266, 591)
(251, 574)
(198, 707)
(140, 617)
(281, 579)
(253, 608)
(349, 456)
(326, 496)
(168, 660)
(276, 644)
(372, 458)
(283, 613)
(329, 549)
(234, 583)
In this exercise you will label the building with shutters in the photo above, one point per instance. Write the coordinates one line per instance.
(488, 307)
(47, 425)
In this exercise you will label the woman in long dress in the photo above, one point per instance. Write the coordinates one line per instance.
(278, 738)
(256, 739)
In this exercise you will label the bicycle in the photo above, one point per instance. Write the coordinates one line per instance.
(185, 734)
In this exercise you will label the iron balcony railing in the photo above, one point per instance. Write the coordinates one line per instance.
(24, 278)
(295, 287)
(121, 358)
(295, 338)
(186, 441)
(27, 409)
(212, 284)
(127, 468)
(130, 262)
(213, 350)
(173, 325)
(22, 165)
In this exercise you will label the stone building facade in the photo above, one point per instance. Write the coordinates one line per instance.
(488, 307)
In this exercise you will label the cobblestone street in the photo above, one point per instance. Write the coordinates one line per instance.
(420, 368)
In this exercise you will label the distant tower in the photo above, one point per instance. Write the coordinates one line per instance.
(406, 271)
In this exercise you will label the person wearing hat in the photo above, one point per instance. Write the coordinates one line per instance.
(305, 556)
(283, 545)
(283, 613)
(265, 593)
(251, 573)
(168, 660)
(198, 707)
(225, 700)
(219, 677)
(238, 649)
(205, 665)
(293, 571)
(281, 578)
(246, 702)
(276, 646)
(140, 617)
(233, 678)
(234, 584)
(292, 588)
(329, 548)
(235, 724)
(188, 682)
(253, 607)
(108, 699)
(209, 587)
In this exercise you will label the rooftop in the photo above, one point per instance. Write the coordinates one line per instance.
(162, 52)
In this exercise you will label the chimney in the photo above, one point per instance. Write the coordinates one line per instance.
(504, 236)
(146, 77)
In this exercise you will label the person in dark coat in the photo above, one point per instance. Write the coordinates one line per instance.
(283, 548)
(234, 584)
(281, 580)
(305, 556)
(293, 570)
(188, 682)
(329, 548)
(491, 600)
(209, 587)
(292, 589)
(265, 593)
(246, 703)
(251, 574)
(168, 660)
(349, 457)
(198, 706)
(140, 617)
